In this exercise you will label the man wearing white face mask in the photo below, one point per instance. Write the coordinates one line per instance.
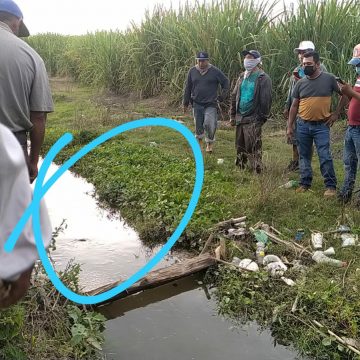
(250, 108)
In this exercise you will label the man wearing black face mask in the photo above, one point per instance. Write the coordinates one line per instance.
(311, 106)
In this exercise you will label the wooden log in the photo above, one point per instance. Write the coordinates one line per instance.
(230, 222)
(160, 277)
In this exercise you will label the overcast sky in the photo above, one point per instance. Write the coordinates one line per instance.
(79, 16)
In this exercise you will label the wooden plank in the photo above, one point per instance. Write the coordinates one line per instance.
(160, 277)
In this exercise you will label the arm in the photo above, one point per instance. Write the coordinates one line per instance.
(265, 98)
(233, 102)
(187, 92)
(37, 134)
(289, 98)
(292, 116)
(341, 105)
(347, 90)
(17, 290)
(225, 86)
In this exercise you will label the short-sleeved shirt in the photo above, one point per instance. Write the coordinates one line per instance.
(15, 197)
(315, 96)
(354, 107)
(24, 83)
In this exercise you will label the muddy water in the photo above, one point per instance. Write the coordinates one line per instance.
(176, 321)
(180, 322)
(107, 248)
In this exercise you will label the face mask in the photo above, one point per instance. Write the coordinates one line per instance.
(309, 70)
(357, 70)
(250, 64)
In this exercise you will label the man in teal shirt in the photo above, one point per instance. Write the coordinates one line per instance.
(250, 108)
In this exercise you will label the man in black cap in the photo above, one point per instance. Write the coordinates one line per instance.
(25, 97)
(201, 91)
(250, 108)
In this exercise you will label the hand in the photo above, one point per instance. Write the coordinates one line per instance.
(17, 291)
(286, 114)
(330, 121)
(346, 89)
(289, 133)
(33, 171)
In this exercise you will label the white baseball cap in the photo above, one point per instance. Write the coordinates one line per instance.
(305, 45)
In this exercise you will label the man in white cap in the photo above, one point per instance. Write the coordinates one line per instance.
(297, 74)
(352, 136)
(25, 96)
(15, 197)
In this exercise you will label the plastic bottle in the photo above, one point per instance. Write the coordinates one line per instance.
(260, 253)
(290, 185)
(320, 257)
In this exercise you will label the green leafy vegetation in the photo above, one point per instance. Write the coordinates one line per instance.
(45, 326)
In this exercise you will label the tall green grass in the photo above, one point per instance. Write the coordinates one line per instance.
(154, 57)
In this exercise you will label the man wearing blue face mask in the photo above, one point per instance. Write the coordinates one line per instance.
(250, 108)
(352, 137)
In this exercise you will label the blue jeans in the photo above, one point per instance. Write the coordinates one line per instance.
(205, 122)
(351, 158)
(307, 133)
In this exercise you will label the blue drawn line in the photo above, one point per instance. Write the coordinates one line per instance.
(41, 189)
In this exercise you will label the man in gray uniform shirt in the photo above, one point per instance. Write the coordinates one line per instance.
(25, 96)
(201, 92)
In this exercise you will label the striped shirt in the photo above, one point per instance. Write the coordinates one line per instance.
(315, 96)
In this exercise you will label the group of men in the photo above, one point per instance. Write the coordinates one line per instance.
(25, 100)
(307, 110)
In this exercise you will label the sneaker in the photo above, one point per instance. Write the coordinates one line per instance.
(330, 193)
(301, 189)
(293, 166)
(209, 148)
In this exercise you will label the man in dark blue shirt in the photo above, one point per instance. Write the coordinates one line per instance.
(201, 91)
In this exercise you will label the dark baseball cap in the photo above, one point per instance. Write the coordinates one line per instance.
(202, 55)
(254, 53)
(12, 8)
